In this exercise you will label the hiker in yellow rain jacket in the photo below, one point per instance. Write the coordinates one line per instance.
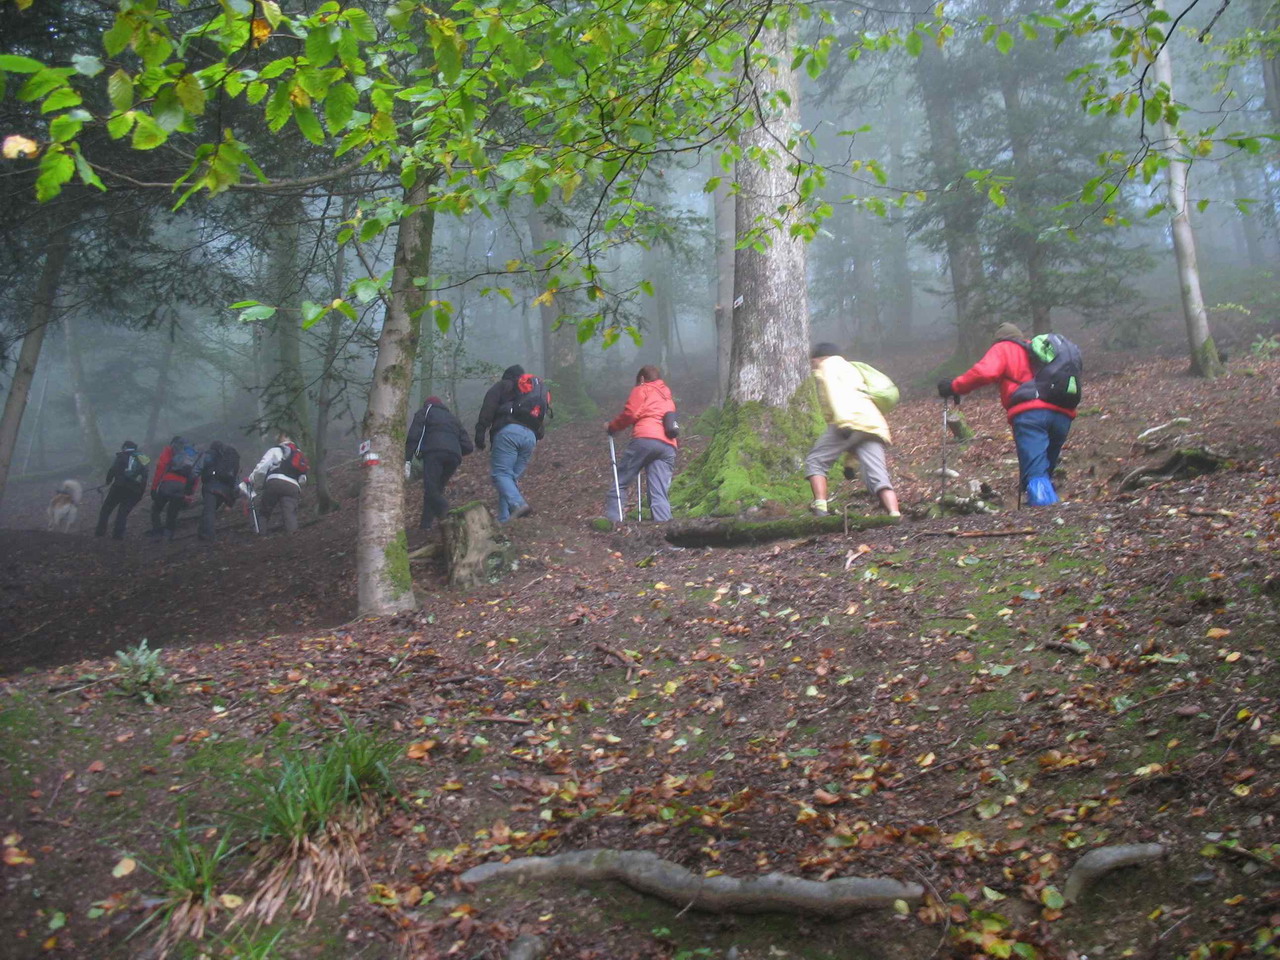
(854, 425)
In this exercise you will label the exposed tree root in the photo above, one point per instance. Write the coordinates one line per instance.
(1103, 860)
(649, 873)
(732, 533)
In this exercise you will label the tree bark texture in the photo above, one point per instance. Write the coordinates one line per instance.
(161, 389)
(723, 213)
(1204, 354)
(382, 562)
(290, 407)
(86, 415)
(769, 358)
(897, 253)
(559, 343)
(1029, 246)
(55, 258)
(961, 210)
(328, 378)
(476, 551)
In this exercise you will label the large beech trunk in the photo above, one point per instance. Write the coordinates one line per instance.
(15, 404)
(769, 358)
(1204, 354)
(723, 205)
(382, 559)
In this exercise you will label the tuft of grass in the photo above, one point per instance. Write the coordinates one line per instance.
(190, 873)
(311, 810)
(140, 673)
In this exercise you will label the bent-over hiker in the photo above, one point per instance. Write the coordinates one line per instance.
(436, 437)
(217, 468)
(650, 449)
(280, 475)
(512, 418)
(1039, 427)
(854, 424)
(172, 487)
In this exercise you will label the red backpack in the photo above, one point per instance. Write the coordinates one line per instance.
(531, 402)
(295, 462)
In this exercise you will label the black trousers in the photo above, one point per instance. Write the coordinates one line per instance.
(168, 499)
(215, 495)
(437, 468)
(121, 497)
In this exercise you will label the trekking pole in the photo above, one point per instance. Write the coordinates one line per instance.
(253, 510)
(945, 430)
(639, 497)
(617, 490)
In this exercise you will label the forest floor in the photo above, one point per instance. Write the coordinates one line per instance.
(969, 704)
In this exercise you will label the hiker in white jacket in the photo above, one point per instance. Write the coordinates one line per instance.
(280, 475)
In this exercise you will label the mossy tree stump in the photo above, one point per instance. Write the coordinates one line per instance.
(476, 550)
(755, 456)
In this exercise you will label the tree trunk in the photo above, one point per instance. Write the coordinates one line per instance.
(559, 344)
(770, 415)
(1204, 354)
(290, 411)
(86, 416)
(869, 332)
(897, 253)
(55, 258)
(325, 502)
(476, 551)
(1029, 246)
(960, 211)
(382, 561)
(724, 203)
(161, 390)
(1247, 224)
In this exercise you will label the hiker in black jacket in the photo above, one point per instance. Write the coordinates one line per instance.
(217, 469)
(127, 480)
(436, 437)
(512, 439)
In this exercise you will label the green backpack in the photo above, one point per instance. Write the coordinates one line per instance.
(882, 391)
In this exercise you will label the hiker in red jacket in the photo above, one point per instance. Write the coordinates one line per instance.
(650, 449)
(172, 486)
(1039, 428)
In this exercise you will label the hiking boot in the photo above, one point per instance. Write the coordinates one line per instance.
(525, 511)
(819, 508)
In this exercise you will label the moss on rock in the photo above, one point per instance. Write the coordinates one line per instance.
(755, 456)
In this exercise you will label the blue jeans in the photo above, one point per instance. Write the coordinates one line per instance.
(512, 447)
(1038, 436)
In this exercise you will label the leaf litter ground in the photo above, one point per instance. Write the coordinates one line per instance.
(971, 713)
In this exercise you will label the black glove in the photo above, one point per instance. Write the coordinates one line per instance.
(850, 473)
(945, 390)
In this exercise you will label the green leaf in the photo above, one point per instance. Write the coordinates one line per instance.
(60, 100)
(147, 134)
(120, 90)
(340, 105)
(260, 312)
(65, 127)
(190, 94)
(311, 312)
(88, 175)
(16, 64)
(1051, 898)
(365, 289)
(361, 24)
(1004, 41)
(308, 123)
(319, 46)
(56, 168)
(914, 43)
(121, 124)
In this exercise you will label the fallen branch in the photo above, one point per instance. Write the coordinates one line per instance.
(626, 661)
(1065, 647)
(1102, 860)
(649, 873)
(425, 551)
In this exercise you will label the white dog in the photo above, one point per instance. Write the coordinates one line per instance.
(65, 506)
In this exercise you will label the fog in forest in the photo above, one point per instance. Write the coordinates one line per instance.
(215, 320)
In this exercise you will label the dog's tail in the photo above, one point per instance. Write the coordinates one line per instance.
(73, 489)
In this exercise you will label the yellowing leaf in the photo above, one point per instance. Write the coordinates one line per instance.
(1217, 633)
(125, 867)
(16, 145)
(260, 31)
(230, 901)
(926, 760)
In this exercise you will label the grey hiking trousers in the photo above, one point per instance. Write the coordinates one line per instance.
(658, 461)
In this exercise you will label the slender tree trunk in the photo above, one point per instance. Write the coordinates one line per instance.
(960, 211)
(724, 215)
(1029, 246)
(55, 258)
(162, 389)
(285, 288)
(560, 344)
(1247, 224)
(897, 253)
(866, 302)
(86, 416)
(382, 558)
(36, 427)
(325, 502)
(1204, 353)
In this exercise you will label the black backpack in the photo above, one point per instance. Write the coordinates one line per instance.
(133, 468)
(225, 466)
(530, 403)
(1059, 368)
(295, 462)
